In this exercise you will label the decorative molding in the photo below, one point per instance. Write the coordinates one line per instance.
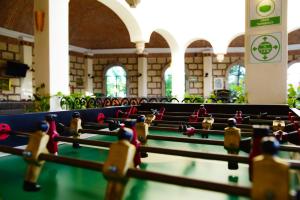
(80, 49)
(293, 47)
(17, 35)
(114, 51)
(30, 38)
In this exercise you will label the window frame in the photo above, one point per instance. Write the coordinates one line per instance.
(105, 80)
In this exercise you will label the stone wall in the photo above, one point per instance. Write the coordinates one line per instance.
(9, 50)
(157, 65)
(77, 73)
(104, 62)
(194, 74)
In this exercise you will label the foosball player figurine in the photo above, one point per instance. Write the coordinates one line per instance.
(232, 139)
(75, 125)
(207, 124)
(120, 159)
(149, 119)
(290, 114)
(187, 130)
(130, 123)
(238, 117)
(278, 130)
(194, 117)
(4, 131)
(270, 173)
(126, 114)
(202, 111)
(52, 145)
(259, 131)
(100, 118)
(36, 145)
(278, 124)
(142, 130)
(161, 113)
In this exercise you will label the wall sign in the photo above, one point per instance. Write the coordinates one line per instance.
(265, 12)
(265, 48)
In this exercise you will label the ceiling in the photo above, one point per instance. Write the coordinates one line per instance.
(92, 25)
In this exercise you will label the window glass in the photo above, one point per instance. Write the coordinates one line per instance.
(168, 82)
(236, 76)
(116, 82)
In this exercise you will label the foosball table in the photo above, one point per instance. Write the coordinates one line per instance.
(175, 151)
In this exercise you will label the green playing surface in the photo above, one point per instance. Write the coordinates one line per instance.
(62, 182)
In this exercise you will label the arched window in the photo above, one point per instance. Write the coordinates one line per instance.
(236, 76)
(115, 82)
(168, 82)
(293, 74)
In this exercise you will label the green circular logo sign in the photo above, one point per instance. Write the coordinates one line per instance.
(265, 8)
(265, 47)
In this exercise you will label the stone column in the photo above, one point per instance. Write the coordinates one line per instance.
(207, 74)
(142, 70)
(88, 76)
(266, 51)
(26, 82)
(51, 50)
(142, 75)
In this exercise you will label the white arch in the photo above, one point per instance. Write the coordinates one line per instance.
(233, 38)
(172, 42)
(132, 25)
(293, 29)
(190, 41)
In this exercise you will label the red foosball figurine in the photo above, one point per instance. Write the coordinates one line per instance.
(129, 123)
(270, 174)
(238, 117)
(52, 145)
(4, 131)
(259, 131)
(127, 113)
(187, 130)
(100, 118)
(160, 113)
(134, 110)
(290, 114)
(194, 117)
(202, 111)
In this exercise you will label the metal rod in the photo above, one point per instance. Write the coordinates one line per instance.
(188, 182)
(91, 165)
(194, 154)
(200, 131)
